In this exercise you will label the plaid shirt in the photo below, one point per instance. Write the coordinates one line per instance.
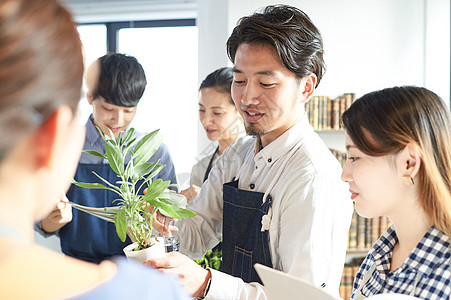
(426, 271)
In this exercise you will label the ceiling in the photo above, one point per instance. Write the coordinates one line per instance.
(86, 11)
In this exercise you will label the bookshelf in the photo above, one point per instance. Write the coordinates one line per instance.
(324, 115)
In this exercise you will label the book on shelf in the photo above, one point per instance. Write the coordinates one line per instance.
(324, 112)
(368, 232)
(352, 240)
(361, 232)
(347, 279)
(364, 232)
(340, 156)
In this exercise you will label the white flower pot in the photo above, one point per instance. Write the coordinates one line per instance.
(155, 251)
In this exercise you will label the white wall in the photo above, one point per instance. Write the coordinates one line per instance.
(369, 44)
(372, 44)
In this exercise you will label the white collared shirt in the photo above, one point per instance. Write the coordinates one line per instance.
(311, 210)
(199, 169)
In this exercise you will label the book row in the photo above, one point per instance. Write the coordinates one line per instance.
(340, 156)
(364, 232)
(347, 279)
(324, 112)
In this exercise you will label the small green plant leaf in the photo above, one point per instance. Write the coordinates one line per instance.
(180, 213)
(128, 135)
(110, 138)
(115, 158)
(90, 185)
(156, 171)
(119, 137)
(216, 264)
(167, 210)
(146, 147)
(121, 224)
(100, 132)
(130, 145)
(155, 189)
(146, 168)
(184, 213)
(106, 181)
(95, 153)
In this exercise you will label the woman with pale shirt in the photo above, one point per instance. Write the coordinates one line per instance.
(221, 121)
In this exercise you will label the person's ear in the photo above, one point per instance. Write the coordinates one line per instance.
(411, 161)
(308, 85)
(48, 138)
(89, 97)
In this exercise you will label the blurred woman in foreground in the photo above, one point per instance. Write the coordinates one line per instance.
(41, 68)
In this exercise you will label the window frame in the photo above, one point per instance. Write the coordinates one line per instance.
(112, 28)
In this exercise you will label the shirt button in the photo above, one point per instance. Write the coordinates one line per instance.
(256, 167)
(269, 159)
(252, 186)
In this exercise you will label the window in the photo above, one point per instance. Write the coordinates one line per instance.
(167, 51)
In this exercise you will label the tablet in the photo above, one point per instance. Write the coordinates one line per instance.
(282, 286)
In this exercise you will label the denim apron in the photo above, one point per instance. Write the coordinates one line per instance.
(87, 237)
(244, 243)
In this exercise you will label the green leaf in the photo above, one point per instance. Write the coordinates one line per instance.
(100, 132)
(115, 158)
(174, 211)
(121, 224)
(182, 213)
(130, 169)
(167, 210)
(155, 189)
(95, 153)
(106, 181)
(128, 135)
(110, 137)
(146, 147)
(146, 168)
(156, 171)
(130, 145)
(90, 185)
(216, 264)
(118, 140)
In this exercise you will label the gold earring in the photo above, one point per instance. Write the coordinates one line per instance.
(408, 180)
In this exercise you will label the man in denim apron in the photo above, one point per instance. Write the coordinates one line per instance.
(116, 83)
(275, 196)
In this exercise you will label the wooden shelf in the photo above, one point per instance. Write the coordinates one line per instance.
(330, 131)
(357, 251)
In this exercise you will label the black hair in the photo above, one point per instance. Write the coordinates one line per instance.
(290, 31)
(221, 79)
(122, 80)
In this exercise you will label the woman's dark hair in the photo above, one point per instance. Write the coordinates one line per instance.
(41, 66)
(386, 121)
(290, 31)
(122, 80)
(221, 80)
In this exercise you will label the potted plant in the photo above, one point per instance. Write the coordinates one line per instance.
(135, 210)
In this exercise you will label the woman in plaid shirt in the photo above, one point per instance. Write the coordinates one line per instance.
(399, 165)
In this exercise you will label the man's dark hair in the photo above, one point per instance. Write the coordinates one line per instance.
(221, 79)
(122, 80)
(290, 31)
